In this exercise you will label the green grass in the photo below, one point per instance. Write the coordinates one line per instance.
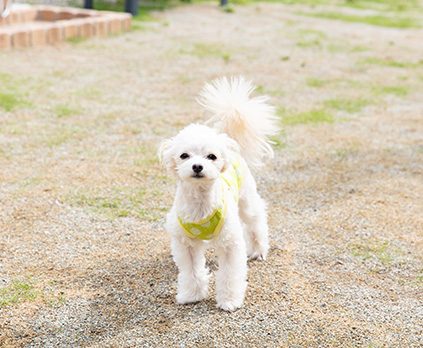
(229, 8)
(384, 5)
(384, 252)
(391, 63)
(27, 289)
(312, 32)
(306, 117)
(64, 110)
(309, 43)
(13, 92)
(316, 82)
(380, 5)
(116, 202)
(399, 91)
(377, 20)
(274, 91)
(207, 50)
(63, 133)
(9, 101)
(18, 291)
(77, 40)
(349, 105)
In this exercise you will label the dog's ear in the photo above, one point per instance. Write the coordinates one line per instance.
(165, 155)
(232, 149)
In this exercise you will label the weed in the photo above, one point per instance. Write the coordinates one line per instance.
(349, 105)
(229, 8)
(278, 144)
(18, 291)
(203, 50)
(383, 252)
(307, 117)
(311, 32)
(378, 20)
(9, 101)
(359, 48)
(77, 40)
(315, 82)
(63, 110)
(115, 202)
(399, 91)
(380, 5)
(63, 134)
(390, 63)
(275, 92)
(309, 43)
(12, 93)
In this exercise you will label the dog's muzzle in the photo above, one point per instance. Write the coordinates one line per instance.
(197, 169)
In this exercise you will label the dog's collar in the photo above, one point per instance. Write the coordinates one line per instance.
(211, 226)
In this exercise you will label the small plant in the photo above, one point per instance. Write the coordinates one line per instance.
(391, 63)
(399, 91)
(18, 291)
(77, 40)
(315, 82)
(13, 91)
(9, 101)
(307, 117)
(349, 105)
(63, 110)
(205, 50)
(229, 8)
(378, 20)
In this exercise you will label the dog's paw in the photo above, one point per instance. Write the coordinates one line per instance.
(260, 256)
(228, 306)
(191, 298)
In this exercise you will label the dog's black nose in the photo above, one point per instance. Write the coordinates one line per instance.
(197, 168)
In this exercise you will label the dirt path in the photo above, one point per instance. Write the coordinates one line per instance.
(84, 258)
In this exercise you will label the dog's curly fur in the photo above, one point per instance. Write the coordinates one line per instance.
(242, 128)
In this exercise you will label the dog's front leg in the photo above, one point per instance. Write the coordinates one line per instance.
(231, 277)
(193, 275)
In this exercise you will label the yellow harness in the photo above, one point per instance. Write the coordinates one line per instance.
(210, 227)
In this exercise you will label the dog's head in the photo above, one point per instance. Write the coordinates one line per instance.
(198, 154)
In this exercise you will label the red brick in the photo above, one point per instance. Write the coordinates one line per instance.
(66, 14)
(5, 40)
(115, 25)
(69, 29)
(20, 38)
(101, 26)
(49, 15)
(85, 28)
(38, 36)
(13, 17)
(54, 34)
(83, 13)
(29, 14)
(126, 20)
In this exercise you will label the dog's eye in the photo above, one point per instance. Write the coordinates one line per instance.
(184, 156)
(212, 157)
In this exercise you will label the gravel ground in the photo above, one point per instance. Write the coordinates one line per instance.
(84, 258)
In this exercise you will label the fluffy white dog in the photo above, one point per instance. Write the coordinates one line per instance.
(216, 199)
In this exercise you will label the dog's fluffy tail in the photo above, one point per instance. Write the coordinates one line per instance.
(249, 121)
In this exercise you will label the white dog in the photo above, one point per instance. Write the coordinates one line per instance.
(216, 199)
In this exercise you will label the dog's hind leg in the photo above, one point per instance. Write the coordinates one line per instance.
(252, 211)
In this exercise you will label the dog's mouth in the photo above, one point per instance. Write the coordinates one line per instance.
(197, 176)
